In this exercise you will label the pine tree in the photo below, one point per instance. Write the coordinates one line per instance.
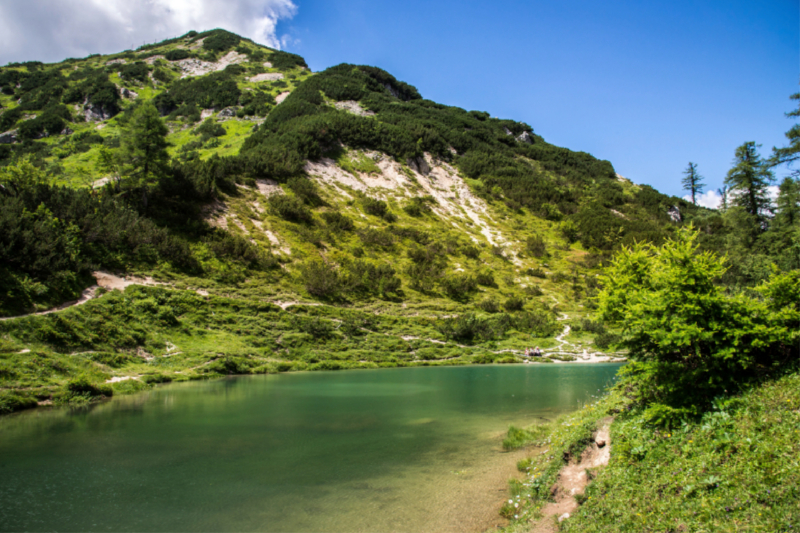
(144, 148)
(789, 154)
(748, 180)
(788, 204)
(723, 193)
(692, 182)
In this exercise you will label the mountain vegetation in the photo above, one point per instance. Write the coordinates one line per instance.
(255, 217)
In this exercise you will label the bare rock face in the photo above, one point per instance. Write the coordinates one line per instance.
(228, 112)
(269, 76)
(351, 106)
(674, 213)
(525, 137)
(508, 131)
(95, 113)
(8, 137)
(419, 165)
(392, 90)
(127, 93)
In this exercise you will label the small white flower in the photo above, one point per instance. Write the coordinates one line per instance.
(516, 505)
(510, 502)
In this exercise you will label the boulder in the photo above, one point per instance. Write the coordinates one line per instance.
(95, 113)
(228, 112)
(8, 137)
(420, 165)
(67, 131)
(525, 137)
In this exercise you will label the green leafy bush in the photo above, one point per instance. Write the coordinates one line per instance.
(177, 55)
(337, 222)
(458, 286)
(320, 279)
(289, 208)
(219, 40)
(692, 340)
(137, 71)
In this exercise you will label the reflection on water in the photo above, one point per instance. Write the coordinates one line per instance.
(366, 450)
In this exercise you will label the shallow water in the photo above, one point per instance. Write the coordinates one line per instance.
(412, 449)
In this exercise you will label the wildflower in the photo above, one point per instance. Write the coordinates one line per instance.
(516, 506)
(510, 502)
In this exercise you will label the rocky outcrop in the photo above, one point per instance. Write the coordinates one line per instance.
(351, 106)
(96, 113)
(127, 93)
(525, 137)
(8, 137)
(228, 112)
(674, 213)
(268, 76)
(197, 67)
(418, 164)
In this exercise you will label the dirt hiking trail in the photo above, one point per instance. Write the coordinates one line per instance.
(572, 480)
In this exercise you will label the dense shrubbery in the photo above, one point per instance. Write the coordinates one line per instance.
(52, 237)
(218, 40)
(689, 339)
(98, 91)
(185, 97)
(176, 55)
(289, 208)
(285, 60)
(137, 71)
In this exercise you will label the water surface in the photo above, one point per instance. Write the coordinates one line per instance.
(408, 449)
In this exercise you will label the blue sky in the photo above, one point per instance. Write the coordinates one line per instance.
(648, 85)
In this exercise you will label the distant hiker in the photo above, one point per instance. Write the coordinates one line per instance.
(537, 352)
(527, 352)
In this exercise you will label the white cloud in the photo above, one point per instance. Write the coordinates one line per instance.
(713, 200)
(709, 199)
(52, 30)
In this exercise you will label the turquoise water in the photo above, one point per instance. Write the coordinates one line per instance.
(365, 450)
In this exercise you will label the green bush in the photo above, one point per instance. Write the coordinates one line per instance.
(176, 55)
(695, 341)
(458, 286)
(210, 128)
(536, 246)
(306, 190)
(337, 222)
(320, 279)
(489, 305)
(135, 72)
(285, 60)
(219, 40)
(289, 208)
(513, 303)
(485, 278)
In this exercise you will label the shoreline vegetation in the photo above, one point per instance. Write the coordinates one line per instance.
(732, 469)
(89, 351)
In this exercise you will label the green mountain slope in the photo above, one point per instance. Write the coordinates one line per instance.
(415, 232)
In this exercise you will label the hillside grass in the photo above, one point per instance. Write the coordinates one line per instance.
(735, 469)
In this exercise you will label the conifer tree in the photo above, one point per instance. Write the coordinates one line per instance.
(789, 154)
(788, 204)
(723, 193)
(748, 181)
(692, 181)
(144, 148)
